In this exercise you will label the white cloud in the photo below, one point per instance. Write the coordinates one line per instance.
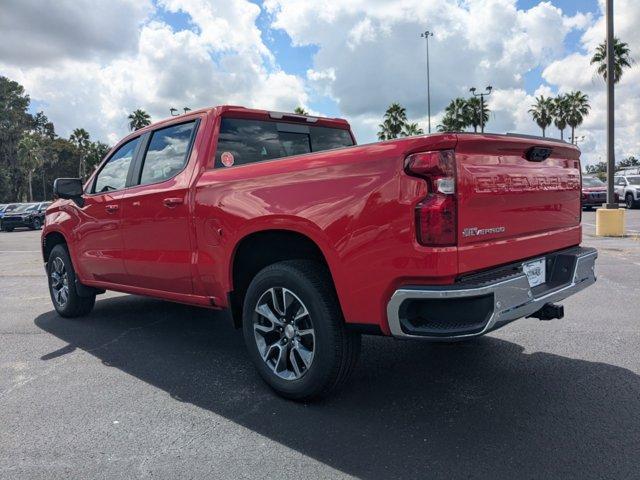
(476, 43)
(45, 31)
(221, 61)
(574, 72)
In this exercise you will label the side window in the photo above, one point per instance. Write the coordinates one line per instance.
(167, 153)
(113, 175)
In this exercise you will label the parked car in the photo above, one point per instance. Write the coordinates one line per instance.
(594, 193)
(309, 240)
(628, 188)
(8, 208)
(27, 215)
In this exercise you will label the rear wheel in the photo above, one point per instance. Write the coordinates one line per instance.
(295, 332)
(37, 225)
(62, 281)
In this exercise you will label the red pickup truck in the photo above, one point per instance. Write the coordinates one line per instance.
(309, 240)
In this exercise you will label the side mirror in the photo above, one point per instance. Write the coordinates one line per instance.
(69, 188)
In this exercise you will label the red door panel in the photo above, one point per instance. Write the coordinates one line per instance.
(99, 238)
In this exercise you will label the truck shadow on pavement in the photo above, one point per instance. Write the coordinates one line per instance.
(483, 409)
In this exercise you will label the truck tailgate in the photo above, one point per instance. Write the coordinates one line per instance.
(511, 207)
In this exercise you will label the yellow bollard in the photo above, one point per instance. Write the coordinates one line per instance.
(610, 223)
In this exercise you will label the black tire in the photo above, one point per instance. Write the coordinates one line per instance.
(74, 305)
(8, 229)
(335, 348)
(629, 201)
(588, 208)
(36, 225)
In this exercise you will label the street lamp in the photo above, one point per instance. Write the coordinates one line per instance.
(426, 34)
(579, 139)
(486, 93)
(173, 112)
(186, 109)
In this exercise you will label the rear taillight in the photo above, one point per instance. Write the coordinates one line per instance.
(436, 214)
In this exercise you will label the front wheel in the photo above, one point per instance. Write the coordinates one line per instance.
(37, 225)
(62, 280)
(629, 202)
(295, 332)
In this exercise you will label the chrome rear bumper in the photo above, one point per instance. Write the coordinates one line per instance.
(501, 295)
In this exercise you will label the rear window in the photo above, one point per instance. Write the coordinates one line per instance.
(244, 141)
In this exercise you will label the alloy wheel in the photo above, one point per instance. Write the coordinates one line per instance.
(284, 333)
(59, 282)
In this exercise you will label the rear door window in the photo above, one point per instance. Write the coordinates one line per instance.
(243, 141)
(167, 153)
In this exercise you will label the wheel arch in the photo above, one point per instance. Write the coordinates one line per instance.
(258, 249)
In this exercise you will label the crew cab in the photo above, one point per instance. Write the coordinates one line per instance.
(310, 240)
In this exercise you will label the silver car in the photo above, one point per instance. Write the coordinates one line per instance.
(628, 189)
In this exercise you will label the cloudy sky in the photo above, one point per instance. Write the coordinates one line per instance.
(87, 63)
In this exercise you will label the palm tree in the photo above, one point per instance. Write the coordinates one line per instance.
(542, 112)
(622, 59)
(138, 119)
(457, 116)
(448, 124)
(578, 108)
(394, 119)
(300, 111)
(410, 130)
(31, 158)
(560, 112)
(475, 106)
(80, 138)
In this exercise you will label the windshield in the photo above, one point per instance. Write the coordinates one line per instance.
(592, 182)
(11, 208)
(22, 208)
(634, 180)
(32, 208)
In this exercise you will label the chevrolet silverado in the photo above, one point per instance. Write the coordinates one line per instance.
(309, 240)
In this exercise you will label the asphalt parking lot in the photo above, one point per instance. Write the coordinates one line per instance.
(148, 389)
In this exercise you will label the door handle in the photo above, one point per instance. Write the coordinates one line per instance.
(172, 202)
(111, 208)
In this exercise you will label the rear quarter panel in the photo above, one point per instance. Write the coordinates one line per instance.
(355, 203)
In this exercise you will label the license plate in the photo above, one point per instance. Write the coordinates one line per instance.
(535, 271)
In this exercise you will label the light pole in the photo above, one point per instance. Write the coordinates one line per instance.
(486, 93)
(173, 112)
(426, 34)
(611, 163)
(579, 139)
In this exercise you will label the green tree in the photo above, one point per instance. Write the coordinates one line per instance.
(542, 112)
(14, 121)
(410, 130)
(300, 111)
(457, 116)
(577, 109)
(394, 120)
(96, 151)
(622, 59)
(138, 119)
(560, 113)
(80, 139)
(30, 158)
(476, 105)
